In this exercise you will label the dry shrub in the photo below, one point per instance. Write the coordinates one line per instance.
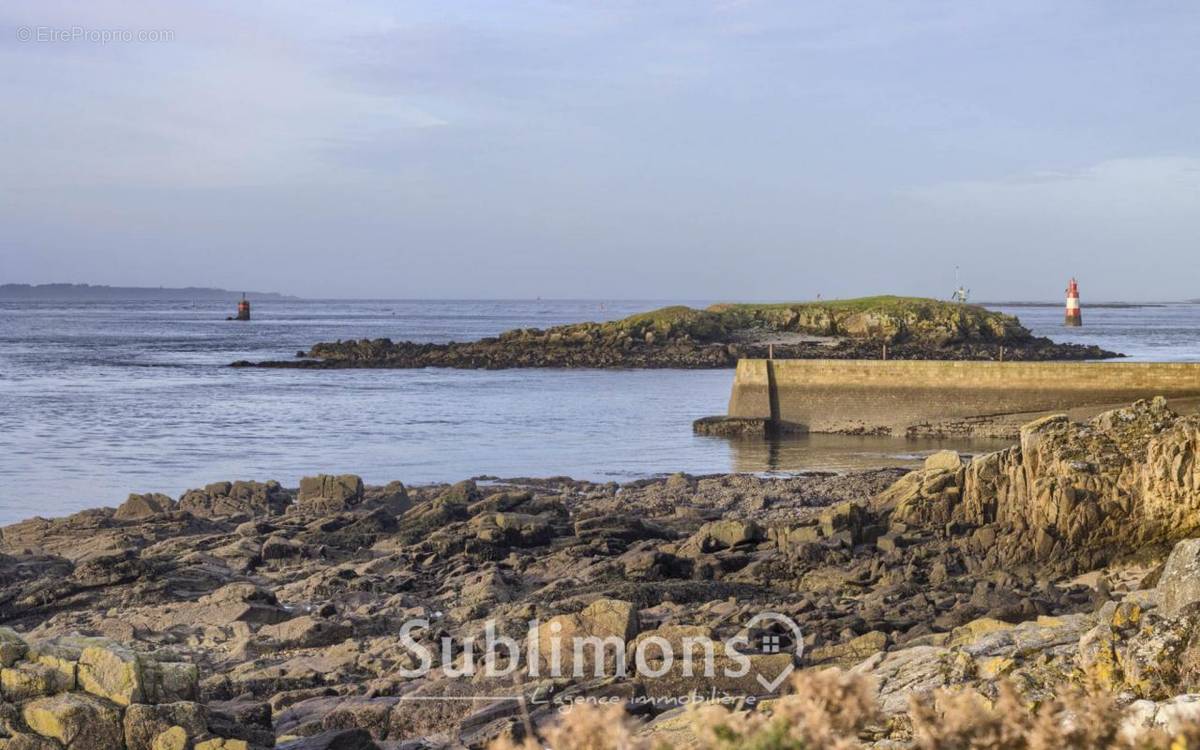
(1077, 720)
(587, 727)
(584, 727)
(965, 719)
(826, 709)
(830, 710)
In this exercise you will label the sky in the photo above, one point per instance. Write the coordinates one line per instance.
(692, 149)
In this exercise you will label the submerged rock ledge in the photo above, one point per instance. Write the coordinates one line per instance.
(247, 612)
(682, 337)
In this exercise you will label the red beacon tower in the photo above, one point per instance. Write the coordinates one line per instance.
(243, 312)
(1074, 316)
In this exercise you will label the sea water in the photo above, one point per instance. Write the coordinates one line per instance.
(98, 400)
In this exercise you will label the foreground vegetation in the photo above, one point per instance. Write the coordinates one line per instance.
(835, 710)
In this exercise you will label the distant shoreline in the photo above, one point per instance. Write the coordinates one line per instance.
(57, 292)
(93, 293)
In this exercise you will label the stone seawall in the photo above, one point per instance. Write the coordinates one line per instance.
(930, 398)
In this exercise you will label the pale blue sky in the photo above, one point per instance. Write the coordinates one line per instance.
(733, 149)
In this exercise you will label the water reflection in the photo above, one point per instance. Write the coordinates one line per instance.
(814, 452)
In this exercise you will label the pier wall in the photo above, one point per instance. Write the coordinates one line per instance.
(907, 397)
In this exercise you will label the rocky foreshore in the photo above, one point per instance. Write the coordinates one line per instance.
(248, 614)
(681, 337)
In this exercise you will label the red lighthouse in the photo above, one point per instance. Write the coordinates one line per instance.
(243, 312)
(1074, 317)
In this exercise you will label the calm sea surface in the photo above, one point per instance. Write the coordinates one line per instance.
(98, 400)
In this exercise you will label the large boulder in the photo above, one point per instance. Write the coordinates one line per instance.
(1142, 652)
(728, 677)
(26, 680)
(327, 493)
(144, 725)
(606, 624)
(138, 507)
(845, 520)
(422, 521)
(305, 632)
(335, 739)
(170, 681)
(61, 654)
(112, 671)
(949, 460)
(106, 669)
(729, 532)
(849, 653)
(222, 743)
(23, 741)
(516, 529)
(237, 602)
(908, 673)
(12, 647)
(171, 738)
(392, 497)
(236, 500)
(77, 721)
(1179, 584)
(1070, 496)
(1175, 716)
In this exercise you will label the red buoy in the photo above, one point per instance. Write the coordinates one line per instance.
(1074, 316)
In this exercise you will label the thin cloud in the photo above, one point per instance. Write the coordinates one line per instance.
(1153, 185)
(204, 109)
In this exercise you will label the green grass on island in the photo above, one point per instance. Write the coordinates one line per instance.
(885, 317)
(875, 303)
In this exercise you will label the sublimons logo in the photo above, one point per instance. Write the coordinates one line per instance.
(546, 651)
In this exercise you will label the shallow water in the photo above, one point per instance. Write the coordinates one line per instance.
(98, 400)
(1150, 333)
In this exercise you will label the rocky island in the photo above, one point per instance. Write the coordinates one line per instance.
(251, 615)
(720, 335)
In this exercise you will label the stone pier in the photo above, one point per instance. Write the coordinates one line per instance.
(944, 398)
